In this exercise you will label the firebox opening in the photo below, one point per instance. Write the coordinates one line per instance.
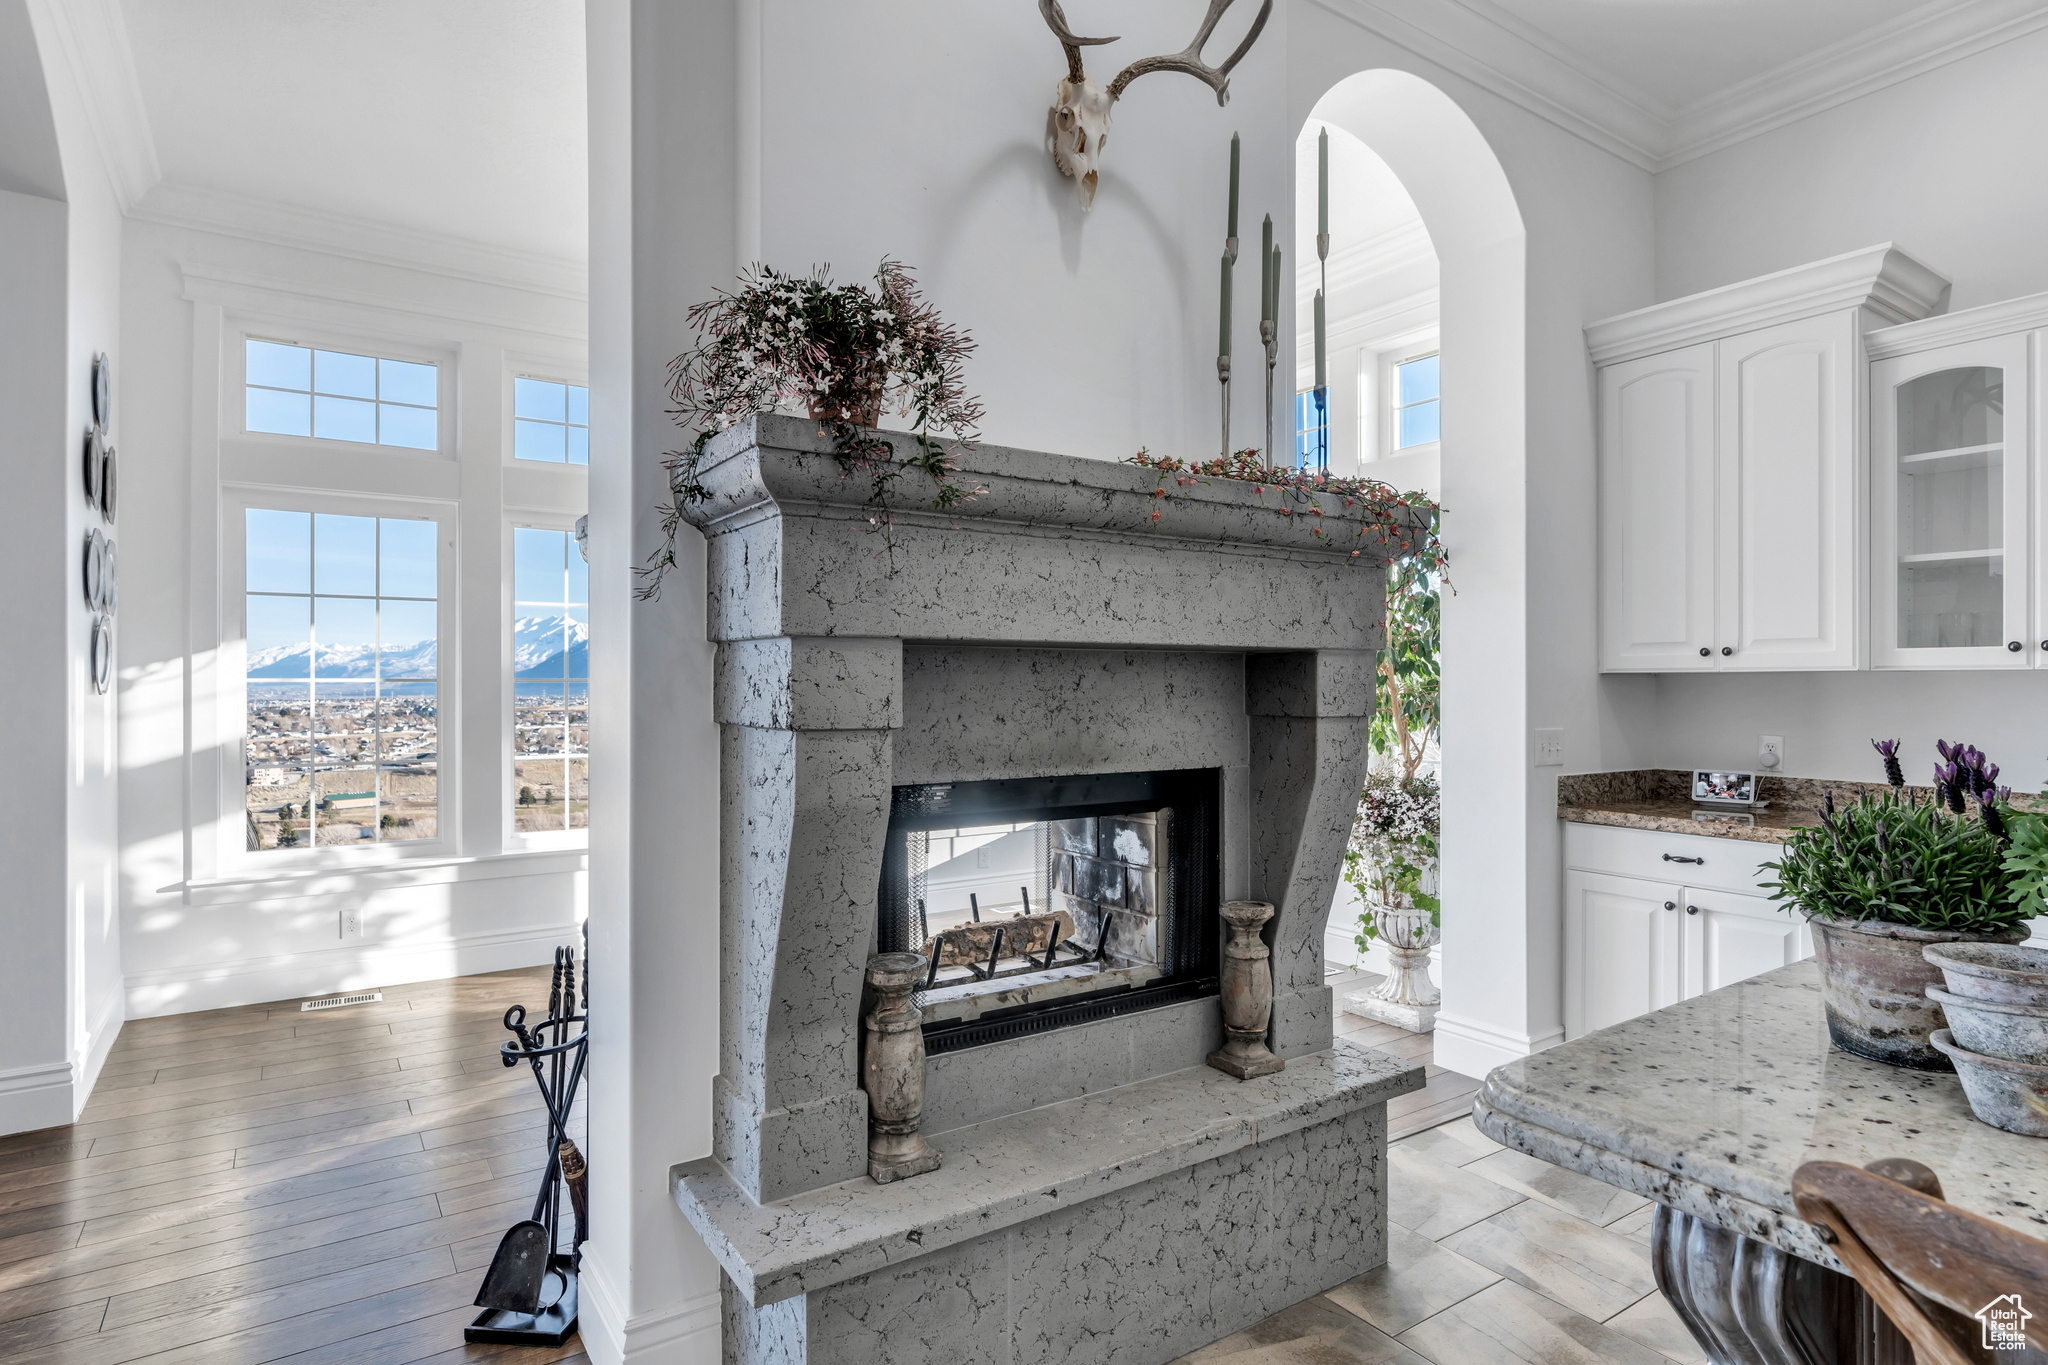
(1044, 901)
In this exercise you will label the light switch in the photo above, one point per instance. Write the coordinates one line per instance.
(1550, 748)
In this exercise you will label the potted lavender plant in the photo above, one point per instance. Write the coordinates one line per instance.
(1883, 876)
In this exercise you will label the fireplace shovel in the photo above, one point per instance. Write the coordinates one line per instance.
(518, 1271)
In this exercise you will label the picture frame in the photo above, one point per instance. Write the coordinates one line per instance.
(1718, 787)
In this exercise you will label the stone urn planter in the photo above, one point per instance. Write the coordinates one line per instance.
(1407, 998)
(1874, 982)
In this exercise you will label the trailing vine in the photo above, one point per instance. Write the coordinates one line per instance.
(843, 354)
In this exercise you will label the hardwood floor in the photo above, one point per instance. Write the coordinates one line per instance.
(260, 1184)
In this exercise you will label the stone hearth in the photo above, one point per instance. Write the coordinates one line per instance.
(1104, 1195)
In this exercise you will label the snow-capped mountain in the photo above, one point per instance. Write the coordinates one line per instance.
(535, 641)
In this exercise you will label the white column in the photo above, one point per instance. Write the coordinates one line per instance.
(663, 105)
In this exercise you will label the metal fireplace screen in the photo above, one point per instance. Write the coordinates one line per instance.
(1042, 902)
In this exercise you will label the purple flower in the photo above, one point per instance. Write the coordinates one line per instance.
(1888, 749)
(1993, 821)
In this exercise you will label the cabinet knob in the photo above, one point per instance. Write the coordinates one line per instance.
(1670, 905)
(1692, 909)
(2044, 644)
(1705, 652)
(1727, 650)
(2014, 645)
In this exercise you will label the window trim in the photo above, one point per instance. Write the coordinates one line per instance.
(1395, 360)
(1382, 357)
(235, 386)
(234, 859)
(513, 374)
(515, 839)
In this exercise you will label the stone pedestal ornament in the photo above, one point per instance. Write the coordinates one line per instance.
(893, 1074)
(1247, 994)
(1407, 998)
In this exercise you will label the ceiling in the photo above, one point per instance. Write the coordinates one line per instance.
(1678, 53)
(458, 118)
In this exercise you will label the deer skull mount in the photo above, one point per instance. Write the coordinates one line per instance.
(1077, 128)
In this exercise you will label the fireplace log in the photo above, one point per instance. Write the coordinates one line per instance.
(970, 944)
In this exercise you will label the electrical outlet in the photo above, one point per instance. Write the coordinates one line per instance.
(1550, 748)
(351, 924)
(1770, 750)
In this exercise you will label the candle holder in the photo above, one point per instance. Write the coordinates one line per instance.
(1269, 334)
(1322, 395)
(1223, 382)
(893, 1071)
(1247, 994)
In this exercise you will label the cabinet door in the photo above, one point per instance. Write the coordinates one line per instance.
(1730, 938)
(1657, 513)
(1621, 949)
(1948, 507)
(1790, 528)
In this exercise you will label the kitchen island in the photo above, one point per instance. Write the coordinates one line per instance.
(1708, 1106)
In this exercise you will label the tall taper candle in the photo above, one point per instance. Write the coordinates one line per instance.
(1223, 337)
(1322, 370)
(1269, 303)
(1231, 230)
(1323, 182)
(1273, 283)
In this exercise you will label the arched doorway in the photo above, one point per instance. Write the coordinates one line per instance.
(1491, 795)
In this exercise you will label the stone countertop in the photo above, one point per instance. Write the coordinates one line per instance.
(1767, 826)
(1008, 1170)
(1661, 799)
(1709, 1105)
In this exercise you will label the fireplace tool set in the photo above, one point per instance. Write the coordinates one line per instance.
(529, 1291)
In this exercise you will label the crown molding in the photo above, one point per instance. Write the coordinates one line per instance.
(275, 223)
(1972, 324)
(94, 37)
(1883, 279)
(1502, 54)
(373, 311)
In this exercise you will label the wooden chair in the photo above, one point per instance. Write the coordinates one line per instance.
(1927, 1264)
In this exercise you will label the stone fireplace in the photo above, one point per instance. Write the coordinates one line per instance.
(1037, 741)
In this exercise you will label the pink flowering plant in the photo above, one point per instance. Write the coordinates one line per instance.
(1393, 848)
(842, 354)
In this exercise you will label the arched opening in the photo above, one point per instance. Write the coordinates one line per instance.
(1407, 130)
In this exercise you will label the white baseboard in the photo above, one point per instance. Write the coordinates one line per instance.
(687, 1334)
(33, 1097)
(219, 985)
(1471, 1048)
(99, 1040)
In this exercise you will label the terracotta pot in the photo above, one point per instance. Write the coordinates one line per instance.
(1874, 982)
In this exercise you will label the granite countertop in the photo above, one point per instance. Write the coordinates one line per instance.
(1709, 1105)
(1008, 1170)
(1661, 799)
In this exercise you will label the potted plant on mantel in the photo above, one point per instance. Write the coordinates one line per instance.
(1883, 876)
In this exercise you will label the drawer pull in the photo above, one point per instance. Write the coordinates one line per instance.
(1692, 909)
(1674, 858)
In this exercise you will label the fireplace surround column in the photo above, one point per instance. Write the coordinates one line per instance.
(806, 728)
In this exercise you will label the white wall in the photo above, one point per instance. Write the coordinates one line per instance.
(202, 929)
(1946, 165)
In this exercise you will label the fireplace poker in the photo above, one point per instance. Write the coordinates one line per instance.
(931, 977)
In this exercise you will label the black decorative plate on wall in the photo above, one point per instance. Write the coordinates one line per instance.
(93, 571)
(95, 465)
(102, 391)
(107, 486)
(102, 658)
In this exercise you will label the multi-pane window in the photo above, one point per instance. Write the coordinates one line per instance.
(550, 421)
(550, 682)
(1311, 431)
(1416, 407)
(343, 629)
(337, 396)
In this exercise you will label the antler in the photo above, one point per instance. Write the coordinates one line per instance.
(1189, 60)
(1056, 20)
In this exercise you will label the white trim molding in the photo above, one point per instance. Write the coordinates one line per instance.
(1972, 324)
(33, 1097)
(1506, 56)
(289, 976)
(688, 1334)
(1882, 279)
(94, 37)
(1471, 1048)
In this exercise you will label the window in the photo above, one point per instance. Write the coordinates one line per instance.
(298, 391)
(1415, 402)
(342, 621)
(1311, 430)
(550, 421)
(551, 682)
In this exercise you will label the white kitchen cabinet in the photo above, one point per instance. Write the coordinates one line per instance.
(1657, 514)
(1733, 492)
(1634, 942)
(1951, 557)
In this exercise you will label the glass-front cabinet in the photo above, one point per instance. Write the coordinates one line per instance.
(1950, 565)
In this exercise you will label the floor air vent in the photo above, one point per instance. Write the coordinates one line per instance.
(335, 1002)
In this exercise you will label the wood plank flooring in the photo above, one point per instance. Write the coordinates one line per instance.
(260, 1185)
(1445, 1095)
